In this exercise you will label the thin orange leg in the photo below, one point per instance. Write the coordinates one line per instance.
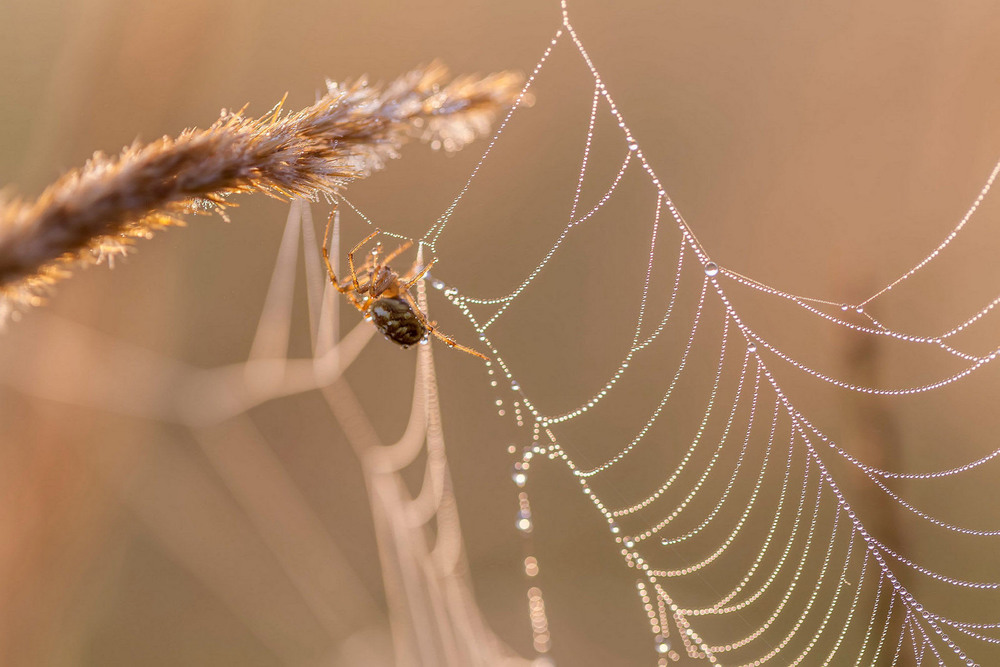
(437, 334)
(395, 253)
(350, 257)
(326, 251)
(457, 346)
(415, 279)
(348, 289)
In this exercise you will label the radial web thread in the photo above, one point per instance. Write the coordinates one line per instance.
(810, 540)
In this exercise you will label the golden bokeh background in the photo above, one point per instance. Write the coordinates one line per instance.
(821, 148)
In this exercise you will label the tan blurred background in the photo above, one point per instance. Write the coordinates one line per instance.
(820, 147)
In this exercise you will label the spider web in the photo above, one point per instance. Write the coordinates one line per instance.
(433, 617)
(738, 517)
(747, 483)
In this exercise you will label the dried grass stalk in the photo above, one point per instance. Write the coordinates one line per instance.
(95, 212)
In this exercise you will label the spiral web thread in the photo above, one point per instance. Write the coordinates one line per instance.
(826, 578)
(795, 595)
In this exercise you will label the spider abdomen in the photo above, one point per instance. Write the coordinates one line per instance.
(395, 318)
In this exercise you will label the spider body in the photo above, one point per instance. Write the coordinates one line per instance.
(399, 323)
(383, 296)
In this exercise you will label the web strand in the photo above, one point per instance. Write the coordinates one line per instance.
(824, 543)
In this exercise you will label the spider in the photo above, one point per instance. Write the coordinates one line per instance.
(383, 296)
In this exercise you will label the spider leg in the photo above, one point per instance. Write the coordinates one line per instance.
(415, 279)
(371, 280)
(395, 253)
(352, 296)
(450, 342)
(362, 271)
(326, 253)
(347, 285)
(350, 257)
